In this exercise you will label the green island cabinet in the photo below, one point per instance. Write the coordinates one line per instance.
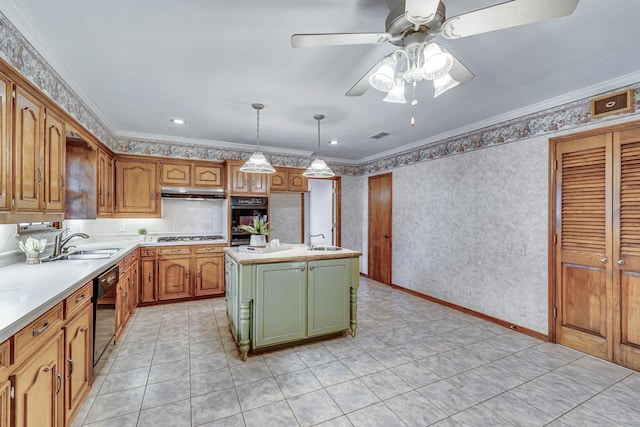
(272, 302)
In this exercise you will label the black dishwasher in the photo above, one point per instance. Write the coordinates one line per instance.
(104, 313)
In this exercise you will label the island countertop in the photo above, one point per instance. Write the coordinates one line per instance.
(297, 252)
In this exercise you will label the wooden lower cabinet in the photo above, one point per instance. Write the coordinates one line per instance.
(38, 387)
(5, 403)
(79, 361)
(148, 281)
(209, 279)
(173, 277)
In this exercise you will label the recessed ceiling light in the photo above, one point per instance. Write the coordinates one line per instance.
(178, 121)
(334, 142)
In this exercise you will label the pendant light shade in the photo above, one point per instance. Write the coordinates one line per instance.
(318, 168)
(257, 163)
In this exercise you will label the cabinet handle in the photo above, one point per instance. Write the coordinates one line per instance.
(59, 383)
(41, 330)
(62, 179)
(72, 367)
(150, 277)
(39, 176)
(603, 260)
(186, 273)
(621, 262)
(199, 274)
(244, 182)
(302, 268)
(80, 298)
(311, 267)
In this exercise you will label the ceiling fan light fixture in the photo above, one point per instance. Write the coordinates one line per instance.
(443, 84)
(437, 62)
(382, 79)
(396, 95)
(318, 168)
(257, 163)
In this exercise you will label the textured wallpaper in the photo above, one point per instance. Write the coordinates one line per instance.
(354, 215)
(286, 217)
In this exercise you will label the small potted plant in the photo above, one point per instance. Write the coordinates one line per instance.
(142, 232)
(32, 249)
(259, 232)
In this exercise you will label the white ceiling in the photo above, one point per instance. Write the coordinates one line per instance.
(140, 63)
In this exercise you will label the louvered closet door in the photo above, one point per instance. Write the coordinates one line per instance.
(583, 225)
(626, 265)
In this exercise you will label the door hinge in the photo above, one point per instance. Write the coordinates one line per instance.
(13, 94)
(13, 201)
(12, 393)
(555, 239)
(555, 166)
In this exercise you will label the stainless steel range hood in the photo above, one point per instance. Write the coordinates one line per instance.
(190, 193)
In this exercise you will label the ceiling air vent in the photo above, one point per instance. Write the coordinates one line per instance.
(615, 103)
(379, 135)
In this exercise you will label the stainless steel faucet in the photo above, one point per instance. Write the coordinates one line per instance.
(309, 245)
(59, 242)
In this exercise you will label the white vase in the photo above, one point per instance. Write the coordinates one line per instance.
(32, 257)
(258, 240)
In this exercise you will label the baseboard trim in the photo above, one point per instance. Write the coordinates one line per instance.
(504, 323)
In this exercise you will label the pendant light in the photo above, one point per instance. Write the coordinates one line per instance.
(257, 163)
(318, 168)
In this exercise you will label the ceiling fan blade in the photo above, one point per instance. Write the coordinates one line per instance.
(421, 11)
(337, 39)
(362, 85)
(505, 15)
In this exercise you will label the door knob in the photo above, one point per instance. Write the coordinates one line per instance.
(603, 260)
(621, 262)
(386, 236)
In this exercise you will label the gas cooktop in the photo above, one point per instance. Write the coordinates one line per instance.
(190, 238)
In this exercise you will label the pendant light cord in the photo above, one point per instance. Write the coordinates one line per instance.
(258, 130)
(318, 117)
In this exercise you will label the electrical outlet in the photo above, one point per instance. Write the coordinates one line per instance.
(122, 226)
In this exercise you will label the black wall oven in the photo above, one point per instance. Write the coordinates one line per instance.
(243, 210)
(104, 314)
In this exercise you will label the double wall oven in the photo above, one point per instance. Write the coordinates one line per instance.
(243, 210)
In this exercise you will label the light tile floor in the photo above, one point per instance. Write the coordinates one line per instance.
(413, 363)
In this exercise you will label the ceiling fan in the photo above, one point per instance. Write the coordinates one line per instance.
(414, 24)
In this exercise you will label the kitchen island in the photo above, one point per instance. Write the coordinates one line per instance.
(291, 295)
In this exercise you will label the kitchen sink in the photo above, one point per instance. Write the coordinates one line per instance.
(84, 254)
(325, 248)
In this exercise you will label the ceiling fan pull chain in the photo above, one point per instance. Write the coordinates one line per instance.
(413, 106)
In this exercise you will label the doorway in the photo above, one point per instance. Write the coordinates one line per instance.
(380, 227)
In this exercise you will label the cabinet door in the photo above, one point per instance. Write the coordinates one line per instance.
(120, 310)
(38, 386)
(148, 292)
(260, 183)
(105, 183)
(5, 403)
(279, 180)
(296, 181)
(178, 174)
(329, 282)
(173, 277)
(79, 360)
(280, 305)
(5, 138)
(54, 163)
(134, 290)
(209, 275)
(239, 180)
(28, 153)
(207, 176)
(136, 187)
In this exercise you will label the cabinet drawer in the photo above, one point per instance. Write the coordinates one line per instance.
(201, 249)
(5, 357)
(78, 300)
(147, 252)
(37, 333)
(175, 250)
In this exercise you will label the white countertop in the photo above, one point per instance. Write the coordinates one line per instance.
(27, 291)
(298, 252)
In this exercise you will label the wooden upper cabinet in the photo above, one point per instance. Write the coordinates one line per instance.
(251, 183)
(105, 183)
(286, 179)
(178, 174)
(28, 152)
(207, 176)
(136, 188)
(54, 163)
(5, 136)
